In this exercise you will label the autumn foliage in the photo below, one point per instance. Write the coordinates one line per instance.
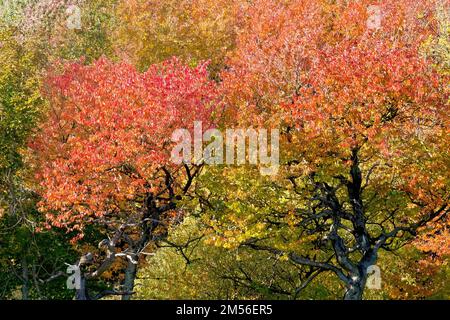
(153, 31)
(108, 134)
(342, 86)
(359, 91)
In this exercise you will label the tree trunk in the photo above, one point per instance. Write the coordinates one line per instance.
(81, 293)
(355, 288)
(354, 292)
(25, 279)
(35, 281)
(130, 277)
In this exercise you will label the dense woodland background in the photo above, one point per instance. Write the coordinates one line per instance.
(358, 89)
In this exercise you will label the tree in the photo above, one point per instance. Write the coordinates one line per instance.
(19, 109)
(69, 29)
(32, 34)
(437, 48)
(411, 274)
(32, 263)
(187, 266)
(152, 31)
(364, 116)
(104, 154)
(20, 100)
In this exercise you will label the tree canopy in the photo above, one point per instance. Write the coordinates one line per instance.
(93, 95)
